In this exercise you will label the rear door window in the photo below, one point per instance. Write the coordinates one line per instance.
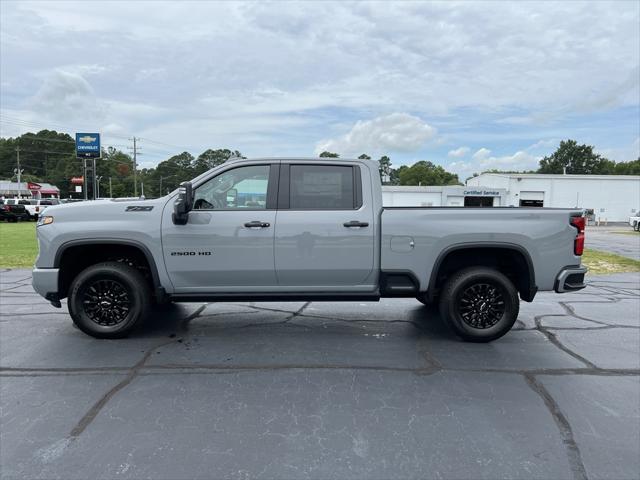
(322, 187)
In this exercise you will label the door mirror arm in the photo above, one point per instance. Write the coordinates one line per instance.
(183, 204)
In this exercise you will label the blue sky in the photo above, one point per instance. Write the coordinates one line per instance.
(468, 85)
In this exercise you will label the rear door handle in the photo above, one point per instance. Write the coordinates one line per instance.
(355, 223)
(257, 224)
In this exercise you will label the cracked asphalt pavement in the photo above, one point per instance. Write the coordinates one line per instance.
(323, 390)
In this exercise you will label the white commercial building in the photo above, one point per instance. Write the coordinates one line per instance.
(612, 198)
(444, 196)
(10, 189)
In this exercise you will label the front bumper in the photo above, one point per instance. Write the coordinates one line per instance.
(45, 281)
(570, 279)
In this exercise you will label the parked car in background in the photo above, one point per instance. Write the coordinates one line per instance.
(634, 221)
(33, 206)
(12, 212)
(41, 205)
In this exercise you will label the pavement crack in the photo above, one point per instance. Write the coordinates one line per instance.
(95, 409)
(573, 451)
(572, 313)
(285, 321)
(554, 340)
(93, 412)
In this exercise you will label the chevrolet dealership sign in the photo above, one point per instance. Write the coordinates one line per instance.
(88, 145)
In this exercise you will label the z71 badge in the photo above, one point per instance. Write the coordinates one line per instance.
(139, 208)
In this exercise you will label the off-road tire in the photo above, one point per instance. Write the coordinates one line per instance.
(108, 300)
(463, 303)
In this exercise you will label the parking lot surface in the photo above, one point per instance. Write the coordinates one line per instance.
(620, 239)
(323, 390)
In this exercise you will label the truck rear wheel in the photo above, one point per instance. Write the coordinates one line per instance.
(480, 304)
(108, 300)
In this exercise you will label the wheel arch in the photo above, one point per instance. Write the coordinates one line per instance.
(493, 252)
(111, 245)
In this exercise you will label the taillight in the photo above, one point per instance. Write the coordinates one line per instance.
(578, 244)
(6, 208)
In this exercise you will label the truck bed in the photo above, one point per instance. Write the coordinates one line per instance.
(415, 239)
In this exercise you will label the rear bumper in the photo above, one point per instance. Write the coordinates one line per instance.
(45, 281)
(570, 279)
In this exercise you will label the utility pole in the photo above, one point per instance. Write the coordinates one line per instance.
(95, 182)
(18, 171)
(84, 177)
(135, 165)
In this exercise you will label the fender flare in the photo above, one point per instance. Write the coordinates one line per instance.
(111, 241)
(527, 296)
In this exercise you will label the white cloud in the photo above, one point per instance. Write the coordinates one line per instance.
(292, 73)
(519, 161)
(544, 144)
(481, 154)
(387, 134)
(624, 153)
(68, 96)
(458, 152)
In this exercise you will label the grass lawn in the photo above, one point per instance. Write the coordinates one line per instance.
(18, 244)
(626, 232)
(19, 248)
(603, 262)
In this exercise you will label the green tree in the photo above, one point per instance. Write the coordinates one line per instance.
(44, 156)
(212, 158)
(326, 154)
(384, 169)
(364, 156)
(576, 159)
(627, 168)
(116, 167)
(426, 173)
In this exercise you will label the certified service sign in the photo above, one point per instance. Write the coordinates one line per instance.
(88, 145)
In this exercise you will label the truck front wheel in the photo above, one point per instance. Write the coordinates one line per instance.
(108, 300)
(480, 304)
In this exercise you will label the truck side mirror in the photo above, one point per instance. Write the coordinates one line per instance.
(183, 204)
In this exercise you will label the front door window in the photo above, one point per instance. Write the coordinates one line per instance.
(243, 188)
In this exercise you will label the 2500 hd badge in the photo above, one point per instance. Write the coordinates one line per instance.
(189, 254)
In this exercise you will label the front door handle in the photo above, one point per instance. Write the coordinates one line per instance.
(355, 223)
(257, 224)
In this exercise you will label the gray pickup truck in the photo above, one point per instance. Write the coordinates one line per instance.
(301, 229)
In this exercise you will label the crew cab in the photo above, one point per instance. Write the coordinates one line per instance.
(301, 229)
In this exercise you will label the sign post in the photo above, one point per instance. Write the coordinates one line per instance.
(87, 148)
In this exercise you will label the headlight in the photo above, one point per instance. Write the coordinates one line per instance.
(44, 220)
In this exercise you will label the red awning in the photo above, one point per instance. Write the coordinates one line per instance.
(49, 191)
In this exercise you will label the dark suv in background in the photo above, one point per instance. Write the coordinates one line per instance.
(13, 212)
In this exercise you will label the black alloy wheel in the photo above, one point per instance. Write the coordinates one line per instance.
(480, 304)
(108, 300)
